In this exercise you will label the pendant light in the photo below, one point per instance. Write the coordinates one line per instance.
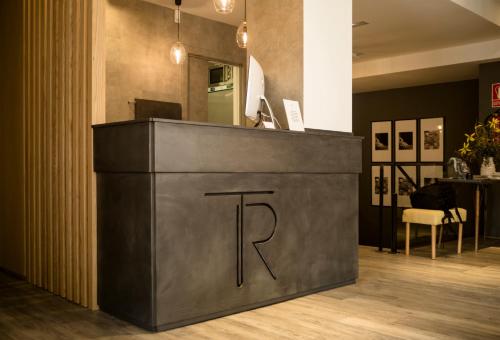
(242, 32)
(178, 53)
(224, 6)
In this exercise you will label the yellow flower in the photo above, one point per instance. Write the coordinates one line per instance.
(465, 150)
(471, 137)
(493, 123)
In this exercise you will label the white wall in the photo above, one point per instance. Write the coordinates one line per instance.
(328, 64)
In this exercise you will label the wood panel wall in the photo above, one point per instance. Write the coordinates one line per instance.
(59, 89)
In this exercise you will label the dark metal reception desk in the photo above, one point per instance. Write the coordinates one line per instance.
(197, 221)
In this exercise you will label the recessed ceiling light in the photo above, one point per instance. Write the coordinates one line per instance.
(359, 23)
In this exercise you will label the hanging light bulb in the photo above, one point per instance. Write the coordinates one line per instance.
(178, 53)
(242, 35)
(242, 32)
(224, 6)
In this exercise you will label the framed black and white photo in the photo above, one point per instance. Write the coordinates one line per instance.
(386, 185)
(430, 173)
(406, 140)
(404, 188)
(432, 140)
(381, 141)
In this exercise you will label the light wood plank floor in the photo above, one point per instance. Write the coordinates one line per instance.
(453, 297)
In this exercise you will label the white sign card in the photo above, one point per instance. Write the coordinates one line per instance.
(293, 115)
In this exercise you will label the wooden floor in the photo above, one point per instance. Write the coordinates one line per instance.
(453, 297)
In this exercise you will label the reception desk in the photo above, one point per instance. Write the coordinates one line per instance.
(197, 221)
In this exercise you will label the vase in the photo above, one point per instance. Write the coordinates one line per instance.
(488, 167)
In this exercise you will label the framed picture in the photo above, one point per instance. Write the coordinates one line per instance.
(432, 140)
(430, 173)
(406, 140)
(386, 185)
(404, 188)
(381, 141)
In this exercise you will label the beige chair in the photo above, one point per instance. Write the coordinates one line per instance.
(432, 218)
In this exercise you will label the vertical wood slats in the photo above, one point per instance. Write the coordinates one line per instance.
(59, 182)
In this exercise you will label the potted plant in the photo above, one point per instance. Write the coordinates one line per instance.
(483, 145)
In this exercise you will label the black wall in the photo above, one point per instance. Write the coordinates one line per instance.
(488, 74)
(457, 102)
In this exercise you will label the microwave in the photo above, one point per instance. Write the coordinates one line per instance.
(220, 75)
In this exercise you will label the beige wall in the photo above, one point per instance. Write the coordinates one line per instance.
(197, 90)
(275, 31)
(138, 40)
(11, 148)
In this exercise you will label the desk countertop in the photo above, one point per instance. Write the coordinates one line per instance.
(169, 146)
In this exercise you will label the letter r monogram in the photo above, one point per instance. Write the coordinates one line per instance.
(240, 210)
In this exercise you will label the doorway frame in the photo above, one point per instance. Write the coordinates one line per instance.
(242, 83)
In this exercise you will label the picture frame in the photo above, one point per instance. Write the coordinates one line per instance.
(429, 174)
(432, 140)
(387, 185)
(405, 132)
(381, 146)
(404, 188)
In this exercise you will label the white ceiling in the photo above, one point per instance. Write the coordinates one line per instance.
(398, 28)
(206, 9)
(435, 75)
(406, 26)
(419, 42)
(395, 26)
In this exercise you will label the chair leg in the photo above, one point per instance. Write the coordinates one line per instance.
(460, 231)
(407, 242)
(433, 241)
(441, 227)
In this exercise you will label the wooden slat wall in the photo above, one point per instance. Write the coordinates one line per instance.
(59, 87)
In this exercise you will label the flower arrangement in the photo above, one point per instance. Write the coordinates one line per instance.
(483, 142)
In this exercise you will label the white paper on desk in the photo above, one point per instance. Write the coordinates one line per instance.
(293, 115)
(268, 125)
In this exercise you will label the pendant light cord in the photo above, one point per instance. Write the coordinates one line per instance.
(179, 23)
(245, 10)
(178, 3)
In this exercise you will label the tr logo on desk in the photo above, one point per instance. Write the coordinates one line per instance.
(240, 211)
